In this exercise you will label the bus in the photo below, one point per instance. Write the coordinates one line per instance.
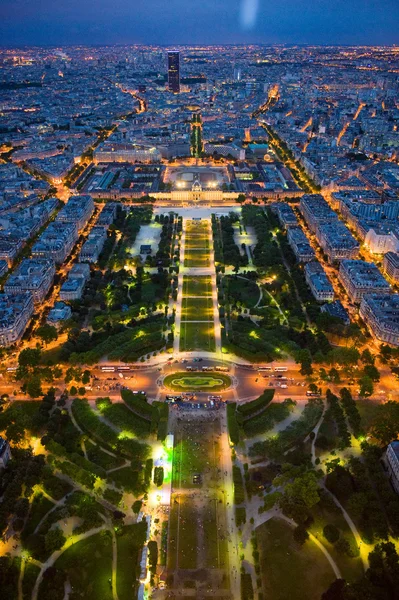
(223, 369)
(207, 368)
(124, 368)
(264, 369)
(312, 394)
(108, 369)
(281, 369)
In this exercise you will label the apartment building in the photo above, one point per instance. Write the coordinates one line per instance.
(72, 288)
(360, 277)
(316, 210)
(318, 282)
(32, 275)
(299, 243)
(5, 452)
(391, 266)
(381, 315)
(16, 311)
(77, 210)
(58, 314)
(337, 241)
(392, 462)
(56, 242)
(107, 215)
(285, 214)
(9, 249)
(92, 247)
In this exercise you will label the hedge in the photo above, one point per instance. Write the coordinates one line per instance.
(232, 424)
(89, 422)
(249, 409)
(239, 493)
(138, 404)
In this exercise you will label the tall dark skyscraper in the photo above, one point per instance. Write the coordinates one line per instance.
(174, 71)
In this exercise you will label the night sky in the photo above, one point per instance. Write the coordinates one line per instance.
(57, 22)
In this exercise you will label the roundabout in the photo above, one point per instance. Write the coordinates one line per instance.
(185, 382)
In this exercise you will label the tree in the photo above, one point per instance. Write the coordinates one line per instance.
(304, 358)
(47, 333)
(301, 534)
(15, 432)
(367, 358)
(54, 540)
(346, 357)
(86, 377)
(300, 496)
(336, 591)
(331, 533)
(366, 386)
(34, 387)
(30, 357)
(385, 427)
(372, 372)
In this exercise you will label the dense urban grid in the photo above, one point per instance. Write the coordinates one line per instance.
(199, 323)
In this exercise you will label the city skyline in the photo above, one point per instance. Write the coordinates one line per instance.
(239, 21)
(199, 300)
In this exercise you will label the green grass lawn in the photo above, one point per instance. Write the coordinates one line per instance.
(326, 512)
(197, 241)
(182, 544)
(130, 540)
(367, 410)
(197, 336)
(30, 576)
(191, 381)
(197, 309)
(197, 286)
(193, 227)
(88, 564)
(289, 570)
(198, 259)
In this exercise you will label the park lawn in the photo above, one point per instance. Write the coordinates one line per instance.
(326, 512)
(197, 309)
(88, 564)
(289, 570)
(368, 409)
(130, 540)
(197, 241)
(187, 381)
(187, 558)
(197, 226)
(197, 259)
(197, 336)
(197, 286)
(182, 541)
(216, 547)
(28, 582)
(190, 456)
